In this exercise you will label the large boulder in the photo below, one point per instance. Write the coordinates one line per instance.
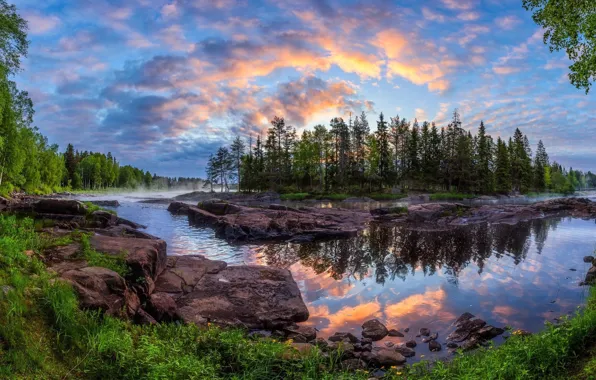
(374, 330)
(102, 289)
(162, 307)
(145, 258)
(388, 357)
(255, 297)
(184, 272)
(179, 208)
(59, 206)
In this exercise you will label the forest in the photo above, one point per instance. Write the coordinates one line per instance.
(399, 155)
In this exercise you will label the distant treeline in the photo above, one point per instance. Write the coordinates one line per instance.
(400, 154)
(88, 170)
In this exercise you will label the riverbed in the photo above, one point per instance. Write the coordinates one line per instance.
(519, 276)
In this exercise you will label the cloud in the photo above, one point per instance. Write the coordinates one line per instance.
(458, 4)
(506, 70)
(430, 15)
(469, 16)
(507, 22)
(411, 62)
(420, 114)
(41, 24)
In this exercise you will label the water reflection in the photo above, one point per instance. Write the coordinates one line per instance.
(508, 275)
(396, 252)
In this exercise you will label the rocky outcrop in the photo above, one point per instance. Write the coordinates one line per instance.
(107, 203)
(454, 214)
(248, 296)
(259, 198)
(179, 208)
(102, 289)
(239, 223)
(145, 258)
(60, 207)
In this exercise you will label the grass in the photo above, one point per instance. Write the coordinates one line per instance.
(117, 263)
(295, 196)
(450, 196)
(44, 334)
(92, 207)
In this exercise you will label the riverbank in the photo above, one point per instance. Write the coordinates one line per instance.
(139, 349)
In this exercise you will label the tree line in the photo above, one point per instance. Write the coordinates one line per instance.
(400, 154)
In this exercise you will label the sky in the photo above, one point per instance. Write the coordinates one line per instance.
(162, 84)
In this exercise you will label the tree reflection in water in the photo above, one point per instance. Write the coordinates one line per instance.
(396, 251)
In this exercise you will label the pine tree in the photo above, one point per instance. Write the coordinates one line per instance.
(503, 168)
(484, 174)
(237, 151)
(382, 135)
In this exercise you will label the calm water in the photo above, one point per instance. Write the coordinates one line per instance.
(508, 275)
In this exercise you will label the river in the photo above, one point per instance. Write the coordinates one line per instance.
(520, 276)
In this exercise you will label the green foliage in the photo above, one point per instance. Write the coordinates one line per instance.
(569, 25)
(451, 196)
(92, 207)
(117, 263)
(294, 196)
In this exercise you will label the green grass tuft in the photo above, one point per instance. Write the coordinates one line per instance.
(117, 263)
(386, 196)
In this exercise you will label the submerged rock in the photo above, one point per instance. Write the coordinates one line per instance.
(424, 331)
(107, 203)
(410, 343)
(374, 330)
(434, 346)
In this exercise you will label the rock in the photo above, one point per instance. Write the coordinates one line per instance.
(389, 344)
(183, 273)
(297, 338)
(103, 219)
(308, 332)
(588, 259)
(352, 364)
(591, 275)
(162, 307)
(434, 346)
(129, 223)
(432, 211)
(394, 332)
(407, 330)
(107, 203)
(466, 327)
(341, 336)
(489, 332)
(145, 258)
(405, 351)
(240, 223)
(102, 289)
(320, 342)
(59, 206)
(452, 345)
(471, 343)
(374, 330)
(521, 332)
(143, 318)
(179, 208)
(424, 331)
(389, 358)
(463, 318)
(254, 297)
(345, 349)
(410, 343)
(259, 334)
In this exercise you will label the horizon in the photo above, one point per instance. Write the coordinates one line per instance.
(162, 86)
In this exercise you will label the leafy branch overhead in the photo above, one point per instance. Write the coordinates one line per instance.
(570, 25)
